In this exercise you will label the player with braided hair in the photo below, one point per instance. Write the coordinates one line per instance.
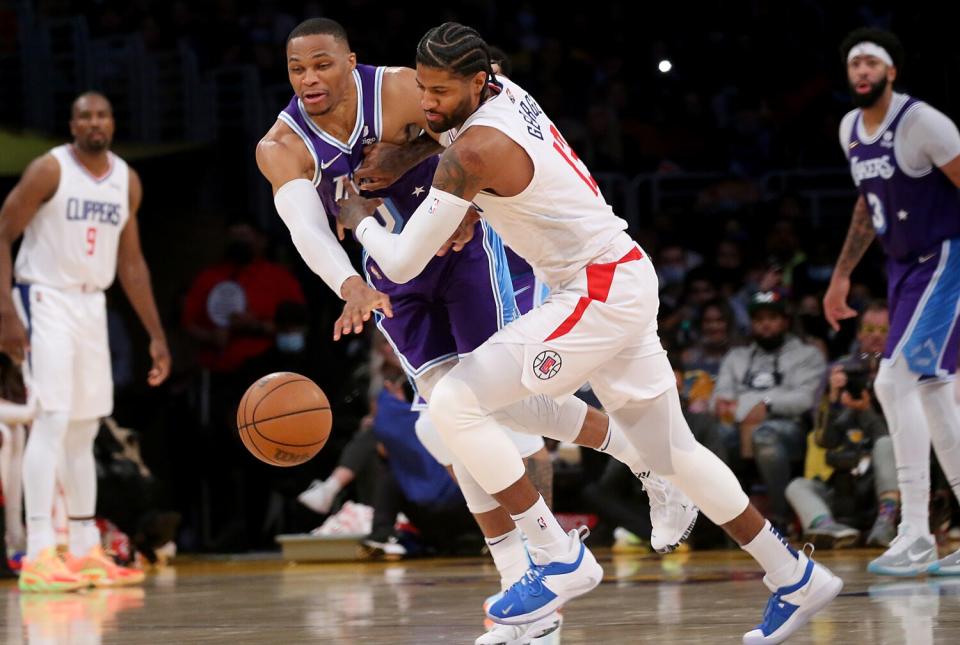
(508, 160)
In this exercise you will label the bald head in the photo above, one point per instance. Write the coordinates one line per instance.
(91, 122)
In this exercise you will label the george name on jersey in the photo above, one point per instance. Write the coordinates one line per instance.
(529, 111)
(88, 210)
(871, 168)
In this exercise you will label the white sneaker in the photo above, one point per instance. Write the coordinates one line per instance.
(547, 585)
(319, 496)
(672, 514)
(909, 555)
(521, 634)
(792, 606)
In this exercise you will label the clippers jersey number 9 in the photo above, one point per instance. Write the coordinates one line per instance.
(877, 215)
(560, 145)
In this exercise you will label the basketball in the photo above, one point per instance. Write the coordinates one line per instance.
(284, 419)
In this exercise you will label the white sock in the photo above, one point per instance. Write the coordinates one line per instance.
(44, 444)
(509, 556)
(542, 529)
(84, 535)
(619, 447)
(774, 554)
(78, 471)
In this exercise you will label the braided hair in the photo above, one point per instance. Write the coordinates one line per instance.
(456, 48)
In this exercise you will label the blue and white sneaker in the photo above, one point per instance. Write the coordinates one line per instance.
(790, 607)
(521, 634)
(547, 585)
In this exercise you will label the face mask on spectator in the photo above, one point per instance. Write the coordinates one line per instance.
(291, 342)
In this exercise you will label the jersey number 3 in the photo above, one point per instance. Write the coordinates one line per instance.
(560, 145)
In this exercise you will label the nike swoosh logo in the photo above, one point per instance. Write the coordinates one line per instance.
(324, 166)
(916, 557)
(924, 258)
(506, 610)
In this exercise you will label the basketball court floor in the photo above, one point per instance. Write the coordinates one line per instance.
(703, 597)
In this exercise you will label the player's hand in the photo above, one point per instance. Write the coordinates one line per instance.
(160, 369)
(354, 208)
(383, 163)
(13, 336)
(463, 234)
(360, 301)
(835, 307)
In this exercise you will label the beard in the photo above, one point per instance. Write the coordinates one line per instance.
(454, 120)
(870, 98)
(89, 144)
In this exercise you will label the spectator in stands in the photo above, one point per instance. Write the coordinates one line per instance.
(851, 476)
(763, 399)
(230, 311)
(413, 482)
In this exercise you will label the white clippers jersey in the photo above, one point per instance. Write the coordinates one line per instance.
(72, 241)
(560, 223)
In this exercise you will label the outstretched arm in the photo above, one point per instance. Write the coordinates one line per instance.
(859, 237)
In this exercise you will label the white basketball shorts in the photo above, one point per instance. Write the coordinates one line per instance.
(601, 327)
(69, 349)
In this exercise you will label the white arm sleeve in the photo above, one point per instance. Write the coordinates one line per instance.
(928, 138)
(302, 211)
(402, 257)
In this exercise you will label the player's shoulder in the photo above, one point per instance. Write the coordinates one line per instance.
(923, 112)
(280, 141)
(846, 123)
(43, 170)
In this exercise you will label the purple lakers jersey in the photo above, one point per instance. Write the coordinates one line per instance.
(334, 160)
(912, 213)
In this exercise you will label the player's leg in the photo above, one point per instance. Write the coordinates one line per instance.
(486, 380)
(923, 300)
(92, 399)
(51, 357)
(943, 419)
(504, 540)
(800, 586)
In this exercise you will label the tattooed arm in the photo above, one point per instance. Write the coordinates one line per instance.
(859, 237)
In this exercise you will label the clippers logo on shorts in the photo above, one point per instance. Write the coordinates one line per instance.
(547, 364)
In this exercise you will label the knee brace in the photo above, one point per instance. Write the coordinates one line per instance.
(473, 437)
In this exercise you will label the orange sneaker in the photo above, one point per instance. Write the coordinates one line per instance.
(98, 569)
(48, 573)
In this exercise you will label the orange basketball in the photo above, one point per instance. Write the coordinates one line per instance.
(284, 419)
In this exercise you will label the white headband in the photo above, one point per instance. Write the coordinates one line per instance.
(867, 48)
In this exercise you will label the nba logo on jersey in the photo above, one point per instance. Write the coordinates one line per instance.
(433, 206)
(547, 364)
